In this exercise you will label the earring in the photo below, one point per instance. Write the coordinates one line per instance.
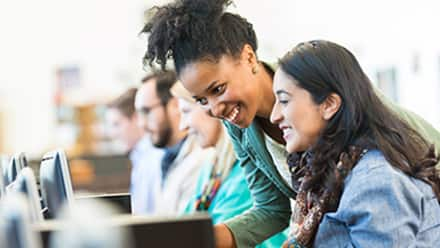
(254, 70)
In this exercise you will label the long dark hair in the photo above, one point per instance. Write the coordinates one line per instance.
(193, 30)
(321, 68)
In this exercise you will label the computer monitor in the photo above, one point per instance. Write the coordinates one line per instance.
(2, 184)
(4, 163)
(195, 231)
(122, 201)
(55, 182)
(15, 227)
(26, 184)
(18, 162)
(88, 223)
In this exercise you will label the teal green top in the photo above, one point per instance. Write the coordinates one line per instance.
(233, 198)
(271, 211)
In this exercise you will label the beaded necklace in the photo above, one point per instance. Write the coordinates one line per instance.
(210, 189)
(222, 162)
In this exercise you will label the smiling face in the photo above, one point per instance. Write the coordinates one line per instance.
(230, 88)
(223, 89)
(297, 115)
(206, 128)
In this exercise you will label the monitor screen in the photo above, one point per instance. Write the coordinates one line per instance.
(18, 162)
(55, 182)
(195, 231)
(2, 184)
(26, 184)
(122, 201)
(15, 224)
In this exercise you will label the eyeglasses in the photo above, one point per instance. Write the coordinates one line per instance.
(146, 111)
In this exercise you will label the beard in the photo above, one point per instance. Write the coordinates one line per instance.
(163, 138)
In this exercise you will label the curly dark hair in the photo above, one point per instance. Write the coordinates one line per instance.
(321, 68)
(192, 30)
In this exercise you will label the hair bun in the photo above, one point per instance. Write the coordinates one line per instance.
(189, 30)
(205, 8)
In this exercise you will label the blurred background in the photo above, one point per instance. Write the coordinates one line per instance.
(62, 60)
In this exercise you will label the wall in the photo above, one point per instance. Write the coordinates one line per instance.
(102, 38)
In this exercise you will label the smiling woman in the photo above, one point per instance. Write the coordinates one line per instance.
(297, 115)
(214, 53)
(226, 89)
(227, 80)
(333, 121)
(221, 190)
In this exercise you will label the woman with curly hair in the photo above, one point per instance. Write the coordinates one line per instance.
(221, 189)
(214, 54)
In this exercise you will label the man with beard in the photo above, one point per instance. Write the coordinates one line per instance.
(124, 127)
(159, 116)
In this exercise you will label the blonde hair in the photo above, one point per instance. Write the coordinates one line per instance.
(177, 90)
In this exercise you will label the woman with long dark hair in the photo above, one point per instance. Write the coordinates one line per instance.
(214, 54)
(365, 178)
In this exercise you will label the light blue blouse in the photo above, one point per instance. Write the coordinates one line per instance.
(382, 207)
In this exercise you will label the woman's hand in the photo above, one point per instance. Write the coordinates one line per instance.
(285, 244)
(291, 243)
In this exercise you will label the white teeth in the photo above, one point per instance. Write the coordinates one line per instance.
(286, 131)
(234, 113)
